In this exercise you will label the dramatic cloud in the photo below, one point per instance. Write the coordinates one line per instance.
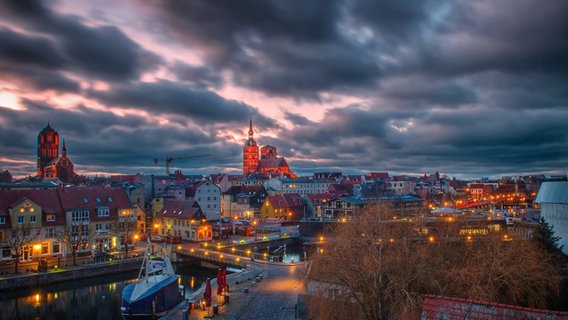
(460, 87)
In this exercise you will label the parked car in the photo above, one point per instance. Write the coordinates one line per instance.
(173, 239)
(157, 239)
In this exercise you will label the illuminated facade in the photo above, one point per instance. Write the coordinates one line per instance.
(250, 153)
(269, 163)
(49, 163)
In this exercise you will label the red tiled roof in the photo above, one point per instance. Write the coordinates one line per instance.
(377, 175)
(438, 307)
(46, 198)
(90, 198)
(318, 198)
(182, 209)
(287, 200)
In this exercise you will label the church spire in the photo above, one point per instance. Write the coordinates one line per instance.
(251, 132)
(64, 149)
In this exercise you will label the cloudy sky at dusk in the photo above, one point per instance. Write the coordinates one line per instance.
(466, 88)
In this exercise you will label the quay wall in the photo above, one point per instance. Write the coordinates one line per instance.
(68, 274)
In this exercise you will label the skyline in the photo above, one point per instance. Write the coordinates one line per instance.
(469, 89)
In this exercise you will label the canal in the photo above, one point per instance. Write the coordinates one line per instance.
(89, 299)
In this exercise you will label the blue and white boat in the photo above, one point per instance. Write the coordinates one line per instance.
(154, 293)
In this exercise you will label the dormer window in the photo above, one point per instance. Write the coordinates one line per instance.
(85, 200)
(103, 211)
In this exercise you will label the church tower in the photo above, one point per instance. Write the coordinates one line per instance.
(250, 153)
(47, 148)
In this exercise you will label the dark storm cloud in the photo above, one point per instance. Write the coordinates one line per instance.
(29, 50)
(34, 61)
(288, 48)
(201, 77)
(165, 97)
(296, 119)
(482, 36)
(101, 141)
(460, 141)
(103, 52)
(464, 87)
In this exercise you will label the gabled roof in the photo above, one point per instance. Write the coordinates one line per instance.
(437, 307)
(235, 190)
(553, 192)
(288, 200)
(48, 199)
(181, 209)
(272, 163)
(92, 197)
(377, 175)
(319, 198)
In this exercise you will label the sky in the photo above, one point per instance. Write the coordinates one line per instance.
(466, 88)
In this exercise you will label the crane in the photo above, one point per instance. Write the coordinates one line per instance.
(169, 160)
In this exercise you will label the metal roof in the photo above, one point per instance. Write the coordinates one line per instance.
(439, 307)
(553, 192)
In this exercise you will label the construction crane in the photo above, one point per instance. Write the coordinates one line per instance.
(169, 160)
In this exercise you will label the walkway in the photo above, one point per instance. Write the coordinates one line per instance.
(263, 291)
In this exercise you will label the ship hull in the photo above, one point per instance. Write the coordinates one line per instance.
(156, 300)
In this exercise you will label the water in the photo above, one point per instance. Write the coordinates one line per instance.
(89, 299)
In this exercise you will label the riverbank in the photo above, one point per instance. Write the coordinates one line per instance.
(70, 273)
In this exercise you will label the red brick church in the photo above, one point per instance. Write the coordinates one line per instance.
(49, 163)
(268, 164)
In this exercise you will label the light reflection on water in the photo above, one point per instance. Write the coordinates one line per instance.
(97, 298)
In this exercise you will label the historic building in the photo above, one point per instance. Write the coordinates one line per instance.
(49, 163)
(268, 164)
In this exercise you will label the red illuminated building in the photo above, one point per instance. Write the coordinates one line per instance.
(269, 163)
(49, 163)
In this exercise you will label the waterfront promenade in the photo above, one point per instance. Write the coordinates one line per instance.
(266, 291)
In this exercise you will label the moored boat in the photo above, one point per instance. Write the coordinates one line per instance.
(154, 293)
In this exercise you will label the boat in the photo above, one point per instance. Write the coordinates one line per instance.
(154, 293)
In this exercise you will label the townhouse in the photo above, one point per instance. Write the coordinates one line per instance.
(94, 219)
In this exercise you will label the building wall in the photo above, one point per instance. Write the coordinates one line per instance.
(208, 196)
(556, 215)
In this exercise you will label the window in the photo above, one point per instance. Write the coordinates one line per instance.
(103, 212)
(21, 220)
(33, 219)
(55, 247)
(2, 220)
(50, 232)
(6, 252)
(44, 248)
(50, 217)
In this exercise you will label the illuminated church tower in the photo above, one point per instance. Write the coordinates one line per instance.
(250, 153)
(49, 163)
(47, 148)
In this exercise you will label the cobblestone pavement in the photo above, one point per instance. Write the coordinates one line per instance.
(271, 295)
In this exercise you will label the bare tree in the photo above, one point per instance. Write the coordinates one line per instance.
(124, 229)
(75, 236)
(17, 238)
(381, 268)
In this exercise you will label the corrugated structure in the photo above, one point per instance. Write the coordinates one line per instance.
(446, 308)
(553, 200)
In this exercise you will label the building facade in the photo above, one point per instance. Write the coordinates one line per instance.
(49, 163)
(267, 162)
(51, 223)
